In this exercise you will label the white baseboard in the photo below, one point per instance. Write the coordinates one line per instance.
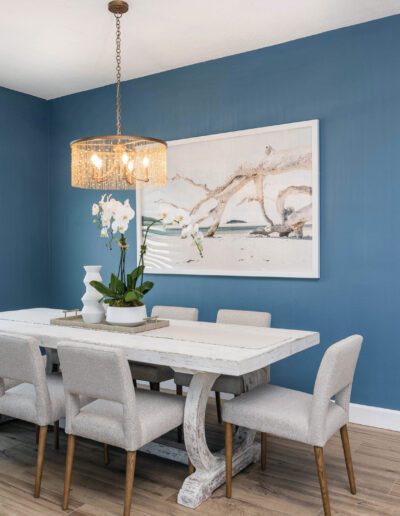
(375, 416)
(360, 414)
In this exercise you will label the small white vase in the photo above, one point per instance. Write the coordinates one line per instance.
(93, 311)
(126, 315)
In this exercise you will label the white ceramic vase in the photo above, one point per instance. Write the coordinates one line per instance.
(93, 311)
(126, 316)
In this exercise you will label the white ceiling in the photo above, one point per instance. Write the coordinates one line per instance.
(51, 48)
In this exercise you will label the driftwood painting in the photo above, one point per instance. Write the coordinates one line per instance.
(253, 195)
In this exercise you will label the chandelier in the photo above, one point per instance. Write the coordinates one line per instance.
(118, 162)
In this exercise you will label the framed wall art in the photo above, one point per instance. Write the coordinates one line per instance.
(251, 196)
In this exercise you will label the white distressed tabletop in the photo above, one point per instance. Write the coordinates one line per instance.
(184, 345)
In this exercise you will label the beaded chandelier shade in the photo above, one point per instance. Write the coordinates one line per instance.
(118, 162)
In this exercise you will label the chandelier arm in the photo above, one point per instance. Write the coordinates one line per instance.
(118, 70)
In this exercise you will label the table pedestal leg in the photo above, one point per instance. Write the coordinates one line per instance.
(210, 468)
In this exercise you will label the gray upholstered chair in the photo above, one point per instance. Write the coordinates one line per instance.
(156, 374)
(10, 383)
(225, 383)
(308, 418)
(119, 416)
(29, 394)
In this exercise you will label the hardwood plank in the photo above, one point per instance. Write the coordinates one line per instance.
(288, 486)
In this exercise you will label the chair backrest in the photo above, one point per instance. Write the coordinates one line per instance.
(334, 379)
(244, 317)
(21, 360)
(175, 312)
(98, 372)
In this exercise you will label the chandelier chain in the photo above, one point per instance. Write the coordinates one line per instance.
(117, 162)
(118, 70)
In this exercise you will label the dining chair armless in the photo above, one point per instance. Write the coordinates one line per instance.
(118, 416)
(9, 383)
(308, 418)
(37, 398)
(225, 383)
(157, 374)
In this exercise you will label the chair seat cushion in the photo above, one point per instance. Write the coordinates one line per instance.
(150, 372)
(281, 412)
(102, 420)
(224, 383)
(20, 401)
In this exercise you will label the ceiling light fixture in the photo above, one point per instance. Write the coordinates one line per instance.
(118, 162)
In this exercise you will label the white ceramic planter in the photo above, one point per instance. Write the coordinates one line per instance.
(126, 316)
(93, 311)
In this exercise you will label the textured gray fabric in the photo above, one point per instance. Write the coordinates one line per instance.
(183, 379)
(244, 318)
(175, 312)
(20, 402)
(150, 372)
(9, 383)
(309, 418)
(157, 374)
(118, 416)
(227, 383)
(157, 413)
(334, 378)
(36, 398)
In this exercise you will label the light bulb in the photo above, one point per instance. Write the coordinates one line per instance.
(130, 166)
(146, 162)
(125, 158)
(96, 161)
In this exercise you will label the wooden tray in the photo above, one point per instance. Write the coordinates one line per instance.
(76, 321)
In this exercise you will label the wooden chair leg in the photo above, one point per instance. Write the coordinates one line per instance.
(40, 460)
(228, 458)
(130, 476)
(218, 402)
(263, 451)
(68, 470)
(154, 386)
(347, 455)
(323, 481)
(57, 435)
(190, 468)
(106, 455)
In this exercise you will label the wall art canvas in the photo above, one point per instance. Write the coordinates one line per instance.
(254, 196)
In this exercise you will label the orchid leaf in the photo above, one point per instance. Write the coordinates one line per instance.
(102, 289)
(135, 274)
(133, 295)
(146, 287)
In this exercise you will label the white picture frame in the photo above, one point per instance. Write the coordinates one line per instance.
(240, 250)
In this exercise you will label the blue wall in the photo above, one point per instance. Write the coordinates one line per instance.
(349, 79)
(24, 278)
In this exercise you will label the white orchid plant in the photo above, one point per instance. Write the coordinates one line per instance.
(112, 217)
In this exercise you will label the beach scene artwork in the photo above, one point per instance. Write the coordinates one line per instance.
(253, 196)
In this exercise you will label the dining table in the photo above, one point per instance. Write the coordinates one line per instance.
(205, 350)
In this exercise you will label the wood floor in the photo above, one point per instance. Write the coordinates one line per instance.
(289, 486)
